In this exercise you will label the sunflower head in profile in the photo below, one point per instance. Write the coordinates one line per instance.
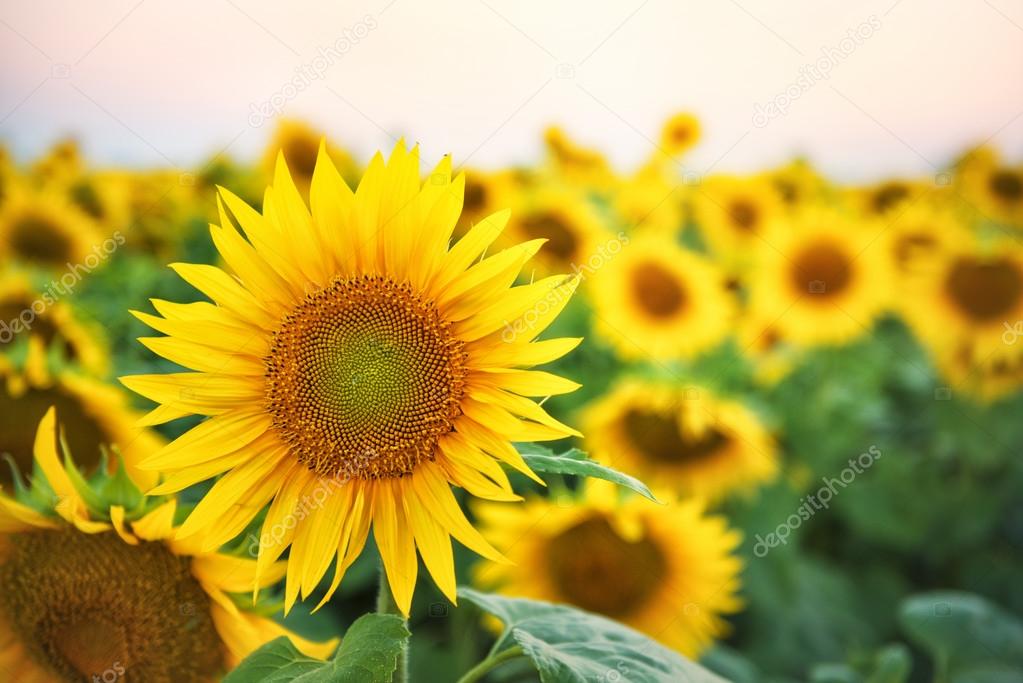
(798, 183)
(974, 316)
(564, 218)
(27, 312)
(887, 198)
(300, 144)
(680, 133)
(669, 572)
(574, 163)
(655, 299)
(93, 415)
(93, 583)
(682, 439)
(60, 163)
(43, 228)
(922, 235)
(733, 213)
(822, 277)
(991, 186)
(350, 350)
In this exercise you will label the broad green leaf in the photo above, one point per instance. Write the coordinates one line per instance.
(276, 662)
(370, 649)
(568, 645)
(970, 638)
(576, 462)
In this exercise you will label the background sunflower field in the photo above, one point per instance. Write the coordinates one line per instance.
(819, 379)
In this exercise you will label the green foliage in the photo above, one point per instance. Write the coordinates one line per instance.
(575, 462)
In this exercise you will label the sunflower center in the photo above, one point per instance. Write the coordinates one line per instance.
(84, 604)
(659, 439)
(888, 196)
(363, 377)
(34, 238)
(822, 270)
(1007, 185)
(20, 414)
(657, 290)
(744, 214)
(301, 153)
(561, 239)
(596, 569)
(475, 196)
(85, 196)
(985, 291)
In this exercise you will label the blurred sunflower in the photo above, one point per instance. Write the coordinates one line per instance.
(821, 277)
(732, 214)
(576, 164)
(486, 193)
(60, 163)
(95, 584)
(921, 235)
(798, 183)
(649, 200)
(666, 571)
(352, 351)
(974, 315)
(300, 145)
(42, 228)
(993, 187)
(764, 345)
(93, 415)
(885, 198)
(686, 440)
(25, 311)
(101, 196)
(680, 133)
(564, 219)
(655, 299)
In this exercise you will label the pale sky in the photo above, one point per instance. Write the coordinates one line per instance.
(896, 86)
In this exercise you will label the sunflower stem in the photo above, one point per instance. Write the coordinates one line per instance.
(387, 605)
(492, 662)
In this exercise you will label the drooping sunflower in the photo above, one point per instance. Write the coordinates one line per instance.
(350, 348)
(94, 585)
(564, 218)
(680, 133)
(42, 228)
(682, 439)
(655, 299)
(973, 317)
(93, 415)
(822, 277)
(26, 311)
(300, 144)
(733, 213)
(668, 572)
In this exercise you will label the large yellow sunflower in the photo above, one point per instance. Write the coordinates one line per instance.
(43, 228)
(94, 415)
(26, 311)
(350, 349)
(655, 299)
(821, 277)
(666, 571)
(94, 585)
(684, 439)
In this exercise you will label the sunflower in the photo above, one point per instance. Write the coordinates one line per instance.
(27, 311)
(103, 197)
(821, 277)
(669, 572)
(40, 227)
(486, 193)
(921, 235)
(992, 186)
(300, 145)
(95, 584)
(61, 162)
(798, 183)
(763, 344)
(680, 133)
(683, 439)
(576, 164)
(93, 414)
(973, 317)
(352, 350)
(657, 300)
(563, 217)
(732, 214)
(887, 198)
(649, 200)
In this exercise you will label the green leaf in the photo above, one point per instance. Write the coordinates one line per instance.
(568, 645)
(576, 462)
(370, 649)
(970, 638)
(368, 654)
(276, 662)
